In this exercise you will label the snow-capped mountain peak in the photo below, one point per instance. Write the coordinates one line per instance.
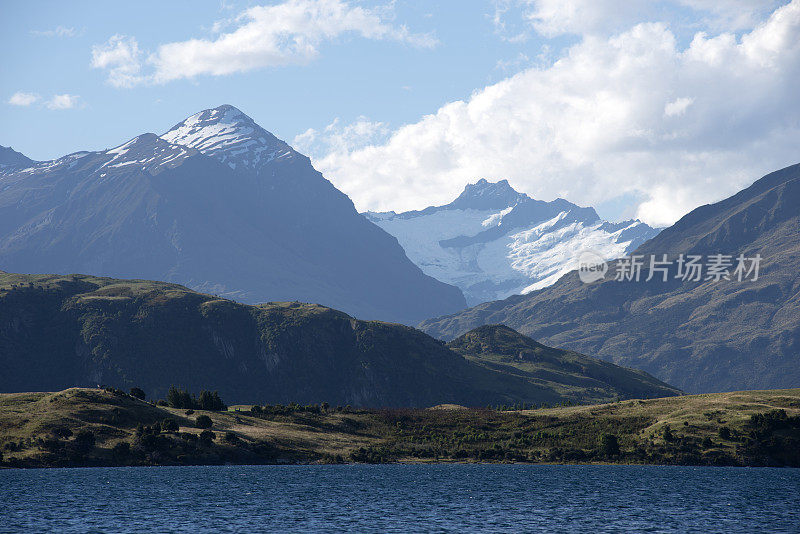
(230, 136)
(493, 242)
(487, 195)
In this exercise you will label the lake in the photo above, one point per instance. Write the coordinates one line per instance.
(401, 498)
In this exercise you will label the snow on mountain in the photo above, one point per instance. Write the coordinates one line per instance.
(229, 136)
(494, 242)
(146, 152)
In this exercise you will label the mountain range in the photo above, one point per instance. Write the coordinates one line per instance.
(219, 204)
(493, 242)
(701, 335)
(58, 332)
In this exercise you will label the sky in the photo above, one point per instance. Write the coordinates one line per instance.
(640, 108)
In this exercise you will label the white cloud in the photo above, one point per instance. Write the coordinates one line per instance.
(58, 31)
(557, 17)
(21, 98)
(121, 56)
(631, 114)
(336, 137)
(677, 107)
(264, 36)
(63, 101)
(732, 15)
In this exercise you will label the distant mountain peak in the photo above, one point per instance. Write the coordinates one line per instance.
(484, 194)
(11, 158)
(225, 133)
(493, 241)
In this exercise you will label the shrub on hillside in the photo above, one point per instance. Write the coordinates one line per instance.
(169, 425)
(61, 432)
(121, 449)
(207, 437)
(85, 440)
(203, 421)
(609, 445)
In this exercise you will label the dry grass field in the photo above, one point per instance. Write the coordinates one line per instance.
(99, 427)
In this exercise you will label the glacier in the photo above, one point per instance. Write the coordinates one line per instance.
(493, 242)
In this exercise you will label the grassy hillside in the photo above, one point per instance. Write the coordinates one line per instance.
(573, 375)
(82, 427)
(58, 332)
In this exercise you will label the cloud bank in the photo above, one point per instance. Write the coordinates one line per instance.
(623, 114)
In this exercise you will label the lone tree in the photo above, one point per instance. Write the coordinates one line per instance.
(138, 393)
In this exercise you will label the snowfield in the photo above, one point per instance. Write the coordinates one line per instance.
(493, 242)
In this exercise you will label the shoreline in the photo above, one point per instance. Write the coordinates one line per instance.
(100, 428)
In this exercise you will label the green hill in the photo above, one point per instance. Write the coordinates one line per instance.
(573, 375)
(58, 332)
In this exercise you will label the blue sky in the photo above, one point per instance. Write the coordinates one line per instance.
(639, 108)
(352, 77)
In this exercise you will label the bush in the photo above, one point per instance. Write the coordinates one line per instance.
(62, 432)
(121, 449)
(137, 393)
(230, 437)
(724, 432)
(169, 425)
(51, 444)
(203, 421)
(609, 445)
(206, 437)
(84, 440)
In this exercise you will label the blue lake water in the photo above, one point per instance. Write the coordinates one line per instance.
(401, 498)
